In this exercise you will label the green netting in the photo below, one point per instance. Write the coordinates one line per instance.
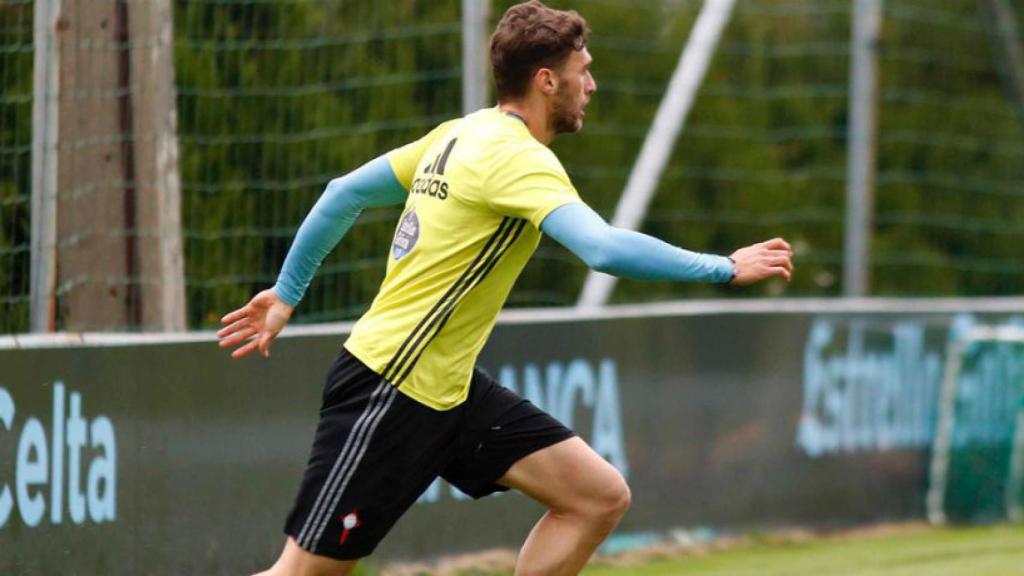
(15, 162)
(276, 97)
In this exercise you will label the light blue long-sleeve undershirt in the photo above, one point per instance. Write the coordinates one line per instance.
(372, 184)
(582, 231)
(629, 254)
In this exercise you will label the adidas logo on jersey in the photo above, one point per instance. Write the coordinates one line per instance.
(431, 187)
(428, 184)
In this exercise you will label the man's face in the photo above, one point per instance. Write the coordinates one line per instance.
(575, 85)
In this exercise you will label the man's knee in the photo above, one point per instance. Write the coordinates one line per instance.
(616, 502)
(610, 503)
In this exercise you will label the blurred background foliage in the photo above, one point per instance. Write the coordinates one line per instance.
(276, 97)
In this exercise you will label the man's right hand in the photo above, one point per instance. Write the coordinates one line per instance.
(256, 324)
(763, 260)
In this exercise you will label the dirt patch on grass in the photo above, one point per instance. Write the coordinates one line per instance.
(486, 563)
(676, 543)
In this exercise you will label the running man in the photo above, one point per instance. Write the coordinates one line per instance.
(403, 402)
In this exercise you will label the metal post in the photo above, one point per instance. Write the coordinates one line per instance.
(661, 138)
(1014, 490)
(44, 166)
(1001, 22)
(860, 173)
(475, 83)
(939, 465)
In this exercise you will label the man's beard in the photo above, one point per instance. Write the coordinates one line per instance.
(563, 119)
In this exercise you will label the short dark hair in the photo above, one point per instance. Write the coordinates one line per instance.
(531, 36)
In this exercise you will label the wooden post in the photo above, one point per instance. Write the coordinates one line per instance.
(118, 211)
(92, 247)
(157, 188)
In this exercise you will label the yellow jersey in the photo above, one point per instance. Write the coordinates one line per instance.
(479, 188)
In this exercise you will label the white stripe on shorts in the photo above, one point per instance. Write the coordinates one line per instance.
(378, 394)
(350, 468)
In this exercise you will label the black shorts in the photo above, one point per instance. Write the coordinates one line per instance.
(376, 450)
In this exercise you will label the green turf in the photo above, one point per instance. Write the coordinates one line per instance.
(990, 551)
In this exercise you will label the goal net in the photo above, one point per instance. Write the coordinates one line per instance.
(977, 465)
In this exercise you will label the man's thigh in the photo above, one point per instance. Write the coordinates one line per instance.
(567, 476)
(500, 429)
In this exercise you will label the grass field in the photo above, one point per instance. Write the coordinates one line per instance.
(895, 551)
(989, 551)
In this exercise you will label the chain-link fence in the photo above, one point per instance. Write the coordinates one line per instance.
(277, 98)
(274, 98)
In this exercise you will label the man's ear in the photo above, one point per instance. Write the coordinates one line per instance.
(546, 81)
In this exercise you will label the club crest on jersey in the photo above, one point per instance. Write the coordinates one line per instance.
(406, 236)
